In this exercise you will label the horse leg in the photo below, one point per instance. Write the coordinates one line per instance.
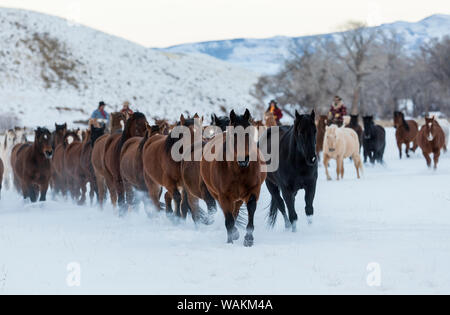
(289, 198)
(185, 206)
(277, 203)
(310, 193)
(399, 145)
(251, 208)
(43, 191)
(427, 157)
(358, 165)
(325, 163)
(177, 199)
(101, 189)
(415, 145)
(210, 201)
(154, 192)
(228, 208)
(168, 201)
(407, 150)
(32, 193)
(338, 167)
(436, 154)
(130, 199)
(342, 168)
(366, 154)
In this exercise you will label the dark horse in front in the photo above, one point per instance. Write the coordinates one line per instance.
(297, 168)
(31, 164)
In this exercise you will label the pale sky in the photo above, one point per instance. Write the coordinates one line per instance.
(162, 23)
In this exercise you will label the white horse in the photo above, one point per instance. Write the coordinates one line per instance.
(5, 154)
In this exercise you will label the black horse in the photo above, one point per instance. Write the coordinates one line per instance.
(374, 141)
(222, 122)
(354, 124)
(297, 168)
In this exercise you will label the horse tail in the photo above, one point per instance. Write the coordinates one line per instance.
(273, 212)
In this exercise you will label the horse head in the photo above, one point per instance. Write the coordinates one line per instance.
(431, 128)
(239, 124)
(305, 133)
(368, 127)
(222, 122)
(10, 139)
(43, 142)
(96, 133)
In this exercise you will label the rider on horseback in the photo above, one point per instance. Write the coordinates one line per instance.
(100, 114)
(337, 112)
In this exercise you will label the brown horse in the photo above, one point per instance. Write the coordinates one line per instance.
(236, 181)
(136, 126)
(131, 165)
(76, 179)
(407, 131)
(164, 126)
(59, 178)
(92, 135)
(322, 123)
(31, 165)
(160, 169)
(354, 124)
(431, 139)
(117, 122)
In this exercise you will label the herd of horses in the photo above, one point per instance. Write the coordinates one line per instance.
(133, 162)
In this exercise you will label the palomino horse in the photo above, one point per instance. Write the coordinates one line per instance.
(92, 134)
(322, 123)
(160, 168)
(354, 124)
(339, 144)
(406, 133)
(374, 141)
(5, 154)
(131, 165)
(136, 126)
(269, 120)
(31, 165)
(237, 180)
(431, 139)
(297, 168)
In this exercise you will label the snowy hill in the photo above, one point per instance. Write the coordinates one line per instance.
(267, 55)
(52, 71)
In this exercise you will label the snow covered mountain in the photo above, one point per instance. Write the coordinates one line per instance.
(267, 55)
(52, 70)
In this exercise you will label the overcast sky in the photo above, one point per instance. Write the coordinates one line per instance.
(161, 23)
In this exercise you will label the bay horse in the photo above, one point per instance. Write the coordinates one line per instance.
(92, 134)
(322, 123)
(31, 165)
(298, 164)
(236, 181)
(193, 183)
(58, 134)
(136, 126)
(406, 133)
(339, 144)
(161, 170)
(98, 162)
(131, 165)
(431, 139)
(354, 124)
(76, 178)
(374, 141)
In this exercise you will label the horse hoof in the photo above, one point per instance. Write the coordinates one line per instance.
(309, 219)
(235, 236)
(248, 242)
(294, 228)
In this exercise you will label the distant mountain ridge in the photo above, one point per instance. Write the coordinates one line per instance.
(267, 55)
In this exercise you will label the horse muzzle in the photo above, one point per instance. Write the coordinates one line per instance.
(331, 150)
(48, 154)
(244, 164)
(311, 161)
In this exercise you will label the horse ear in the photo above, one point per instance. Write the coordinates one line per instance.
(213, 120)
(182, 119)
(232, 117)
(313, 114)
(297, 115)
(247, 115)
(196, 115)
(65, 126)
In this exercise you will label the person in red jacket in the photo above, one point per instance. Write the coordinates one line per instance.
(126, 110)
(337, 112)
(275, 110)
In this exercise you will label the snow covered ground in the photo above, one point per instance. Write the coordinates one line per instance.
(397, 216)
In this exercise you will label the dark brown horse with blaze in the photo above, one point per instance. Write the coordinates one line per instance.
(160, 168)
(236, 181)
(136, 126)
(31, 163)
(431, 139)
(131, 165)
(406, 133)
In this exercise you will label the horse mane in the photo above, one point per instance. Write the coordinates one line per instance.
(405, 124)
(143, 141)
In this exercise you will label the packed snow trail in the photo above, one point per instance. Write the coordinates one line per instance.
(397, 216)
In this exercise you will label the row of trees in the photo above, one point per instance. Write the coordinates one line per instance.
(370, 69)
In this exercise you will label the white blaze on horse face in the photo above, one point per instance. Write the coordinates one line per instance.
(70, 139)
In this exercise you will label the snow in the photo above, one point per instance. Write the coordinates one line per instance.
(397, 216)
(108, 68)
